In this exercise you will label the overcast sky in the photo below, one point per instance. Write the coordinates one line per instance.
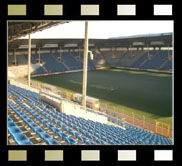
(105, 29)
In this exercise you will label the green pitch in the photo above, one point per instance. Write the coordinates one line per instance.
(145, 93)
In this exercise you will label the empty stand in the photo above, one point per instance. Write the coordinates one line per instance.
(44, 123)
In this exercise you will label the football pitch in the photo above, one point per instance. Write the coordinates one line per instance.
(144, 93)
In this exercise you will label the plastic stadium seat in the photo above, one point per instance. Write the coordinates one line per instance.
(71, 141)
(60, 124)
(88, 142)
(60, 134)
(73, 133)
(45, 136)
(83, 132)
(29, 121)
(15, 131)
(64, 136)
(56, 131)
(67, 129)
(33, 125)
(98, 141)
(11, 125)
(53, 142)
(80, 138)
(38, 130)
(21, 139)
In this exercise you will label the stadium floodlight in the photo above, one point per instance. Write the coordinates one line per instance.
(85, 59)
(29, 58)
(91, 55)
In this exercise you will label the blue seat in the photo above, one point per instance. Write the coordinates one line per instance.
(53, 142)
(33, 125)
(88, 142)
(45, 136)
(15, 131)
(11, 125)
(71, 141)
(64, 136)
(59, 124)
(38, 130)
(9, 119)
(67, 129)
(73, 133)
(21, 139)
(98, 141)
(28, 120)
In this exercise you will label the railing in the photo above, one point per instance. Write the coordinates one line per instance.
(139, 120)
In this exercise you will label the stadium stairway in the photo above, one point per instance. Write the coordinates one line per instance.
(55, 57)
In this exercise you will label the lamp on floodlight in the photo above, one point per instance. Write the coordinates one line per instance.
(91, 55)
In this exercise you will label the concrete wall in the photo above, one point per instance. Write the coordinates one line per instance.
(76, 110)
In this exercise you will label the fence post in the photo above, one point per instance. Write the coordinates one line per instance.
(143, 121)
(162, 128)
(156, 126)
(106, 107)
(168, 131)
(133, 117)
(114, 109)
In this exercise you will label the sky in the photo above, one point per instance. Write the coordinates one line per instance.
(104, 29)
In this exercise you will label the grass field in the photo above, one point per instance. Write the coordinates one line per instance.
(145, 93)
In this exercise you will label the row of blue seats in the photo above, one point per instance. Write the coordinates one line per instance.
(51, 127)
(57, 120)
(134, 132)
(35, 127)
(105, 133)
(87, 141)
(17, 133)
(70, 61)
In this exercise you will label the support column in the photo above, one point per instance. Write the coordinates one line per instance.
(15, 55)
(29, 58)
(168, 52)
(148, 50)
(131, 50)
(60, 52)
(85, 60)
(39, 55)
(79, 53)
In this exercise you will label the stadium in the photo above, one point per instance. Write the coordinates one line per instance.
(80, 91)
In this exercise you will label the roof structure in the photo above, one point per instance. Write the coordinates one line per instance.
(17, 29)
(160, 40)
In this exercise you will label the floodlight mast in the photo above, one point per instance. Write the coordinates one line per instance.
(29, 58)
(15, 55)
(85, 61)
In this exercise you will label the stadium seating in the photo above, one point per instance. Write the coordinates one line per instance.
(158, 58)
(70, 129)
(138, 63)
(133, 59)
(17, 133)
(70, 61)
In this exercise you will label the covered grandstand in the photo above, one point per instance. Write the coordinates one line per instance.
(145, 52)
(32, 121)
